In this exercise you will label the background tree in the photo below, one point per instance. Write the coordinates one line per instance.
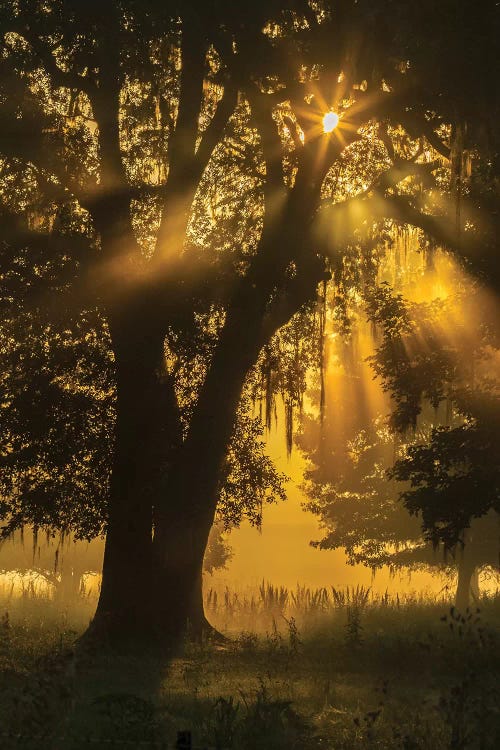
(426, 352)
(454, 486)
(452, 473)
(361, 512)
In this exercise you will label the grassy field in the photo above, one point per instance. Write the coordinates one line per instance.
(302, 669)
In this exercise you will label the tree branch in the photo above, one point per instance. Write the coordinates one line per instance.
(215, 129)
(64, 78)
(24, 140)
(415, 122)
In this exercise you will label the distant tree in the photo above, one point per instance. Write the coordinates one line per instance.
(454, 481)
(58, 560)
(429, 356)
(166, 164)
(453, 474)
(62, 561)
(361, 512)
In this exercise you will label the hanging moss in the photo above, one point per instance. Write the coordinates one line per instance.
(461, 169)
(35, 540)
(321, 348)
(289, 426)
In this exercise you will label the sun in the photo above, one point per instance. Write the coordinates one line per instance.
(330, 122)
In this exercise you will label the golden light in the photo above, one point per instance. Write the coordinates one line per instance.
(330, 122)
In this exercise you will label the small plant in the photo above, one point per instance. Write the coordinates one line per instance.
(351, 595)
(366, 725)
(274, 599)
(354, 601)
(353, 626)
(274, 641)
(308, 601)
(469, 707)
(273, 723)
(294, 641)
(221, 724)
(124, 716)
(247, 642)
(5, 633)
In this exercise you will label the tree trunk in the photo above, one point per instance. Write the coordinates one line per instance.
(70, 585)
(145, 413)
(179, 551)
(184, 522)
(148, 428)
(466, 572)
(185, 517)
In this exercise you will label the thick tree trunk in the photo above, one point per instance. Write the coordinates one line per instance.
(179, 551)
(144, 414)
(148, 428)
(184, 521)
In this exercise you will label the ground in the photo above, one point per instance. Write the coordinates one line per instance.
(340, 670)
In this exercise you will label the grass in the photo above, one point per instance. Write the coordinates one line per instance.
(303, 670)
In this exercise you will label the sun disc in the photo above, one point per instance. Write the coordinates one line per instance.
(330, 122)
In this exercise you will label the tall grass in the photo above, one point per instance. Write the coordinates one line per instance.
(305, 668)
(255, 610)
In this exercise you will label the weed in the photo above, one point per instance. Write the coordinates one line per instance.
(220, 726)
(294, 641)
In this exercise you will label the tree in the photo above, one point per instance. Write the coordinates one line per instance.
(126, 117)
(63, 561)
(56, 559)
(451, 475)
(362, 512)
(426, 352)
(455, 487)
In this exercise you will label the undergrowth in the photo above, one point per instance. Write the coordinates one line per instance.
(339, 670)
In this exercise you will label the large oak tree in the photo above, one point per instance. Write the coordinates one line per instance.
(165, 163)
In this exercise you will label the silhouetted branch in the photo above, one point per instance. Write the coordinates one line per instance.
(60, 77)
(213, 133)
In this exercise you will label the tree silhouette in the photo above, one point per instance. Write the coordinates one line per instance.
(166, 164)
(451, 475)
(362, 512)
(437, 363)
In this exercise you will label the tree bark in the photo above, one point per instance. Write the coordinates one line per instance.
(186, 517)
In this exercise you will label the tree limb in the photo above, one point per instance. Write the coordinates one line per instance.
(213, 132)
(64, 78)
